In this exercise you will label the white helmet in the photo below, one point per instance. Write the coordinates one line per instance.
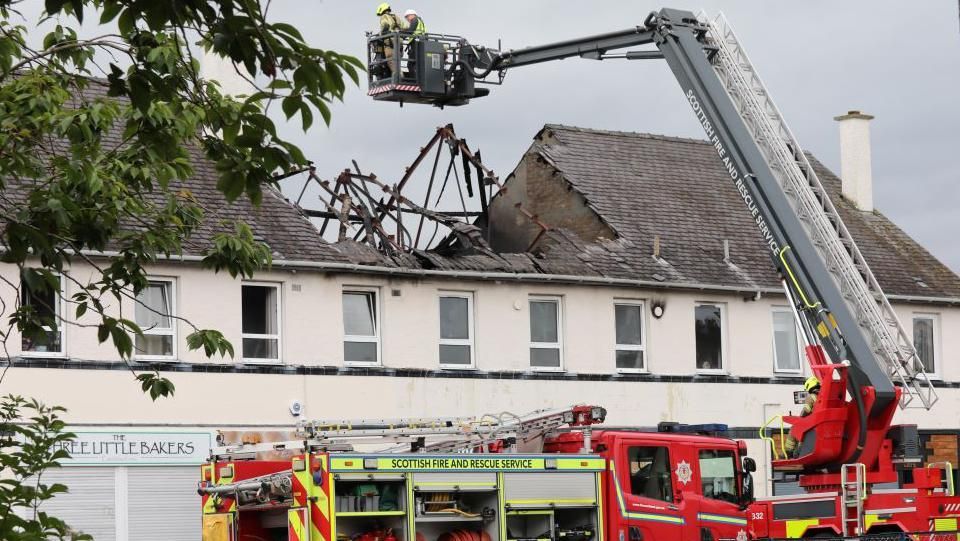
(409, 12)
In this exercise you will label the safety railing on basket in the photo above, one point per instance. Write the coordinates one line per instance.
(770, 440)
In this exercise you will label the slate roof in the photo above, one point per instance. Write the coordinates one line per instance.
(276, 222)
(645, 185)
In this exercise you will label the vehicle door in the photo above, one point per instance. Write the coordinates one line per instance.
(646, 497)
(716, 494)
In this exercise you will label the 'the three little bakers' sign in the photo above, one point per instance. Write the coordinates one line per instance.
(137, 448)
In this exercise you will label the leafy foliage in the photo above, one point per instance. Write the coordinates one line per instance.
(97, 135)
(33, 440)
(93, 153)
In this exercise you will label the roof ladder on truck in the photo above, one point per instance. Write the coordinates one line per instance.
(507, 431)
(818, 215)
(853, 486)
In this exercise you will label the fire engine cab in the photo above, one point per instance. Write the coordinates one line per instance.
(545, 476)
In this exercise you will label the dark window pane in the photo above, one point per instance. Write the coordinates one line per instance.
(45, 306)
(260, 348)
(543, 321)
(785, 341)
(454, 318)
(545, 358)
(650, 473)
(359, 313)
(360, 352)
(628, 324)
(718, 475)
(708, 333)
(923, 341)
(259, 307)
(150, 344)
(455, 354)
(154, 308)
(628, 359)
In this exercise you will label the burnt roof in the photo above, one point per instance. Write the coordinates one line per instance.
(646, 186)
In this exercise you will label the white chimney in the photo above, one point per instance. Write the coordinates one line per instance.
(855, 171)
(216, 68)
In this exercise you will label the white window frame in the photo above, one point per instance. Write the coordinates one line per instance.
(468, 295)
(773, 341)
(377, 325)
(935, 319)
(174, 325)
(61, 309)
(724, 359)
(278, 286)
(558, 299)
(631, 347)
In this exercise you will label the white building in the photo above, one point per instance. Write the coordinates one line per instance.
(651, 295)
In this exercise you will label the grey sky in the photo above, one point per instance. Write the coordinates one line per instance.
(819, 58)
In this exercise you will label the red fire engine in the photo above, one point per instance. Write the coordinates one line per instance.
(458, 479)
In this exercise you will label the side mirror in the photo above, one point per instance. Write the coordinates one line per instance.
(746, 492)
(749, 464)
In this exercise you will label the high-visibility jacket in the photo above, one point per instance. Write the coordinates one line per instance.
(416, 27)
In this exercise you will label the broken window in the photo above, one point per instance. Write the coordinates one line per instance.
(546, 349)
(361, 342)
(154, 315)
(629, 330)
(709, 335)
(260, 305)
(456, 330)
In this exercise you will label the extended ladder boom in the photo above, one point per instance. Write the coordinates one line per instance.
(842, 311)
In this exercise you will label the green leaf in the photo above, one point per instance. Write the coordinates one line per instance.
(291, 104)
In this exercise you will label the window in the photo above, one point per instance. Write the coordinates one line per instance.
(361, 327)
(629, 328)
(45, 300)
(650, 473)
(260, 306)
(926, 333)
(154, 314)
(456, 330)
(786, 347)
(709, 333)
(546, 350)
(718, 475)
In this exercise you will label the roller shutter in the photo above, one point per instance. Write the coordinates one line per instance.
(90, 504)
(162, 503)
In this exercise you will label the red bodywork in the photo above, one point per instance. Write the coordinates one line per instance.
(828, 438)
(688, 514)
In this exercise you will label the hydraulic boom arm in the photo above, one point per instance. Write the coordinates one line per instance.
(855, 343)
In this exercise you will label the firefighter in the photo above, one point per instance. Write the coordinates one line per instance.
(416, 28)
(812, 386)
(389, 24)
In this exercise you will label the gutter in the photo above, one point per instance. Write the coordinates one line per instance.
(328, 266)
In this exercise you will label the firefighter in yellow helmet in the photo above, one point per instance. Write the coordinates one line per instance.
(812, 386)
(390, 23)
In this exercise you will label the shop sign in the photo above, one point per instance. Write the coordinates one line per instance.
(137, 448)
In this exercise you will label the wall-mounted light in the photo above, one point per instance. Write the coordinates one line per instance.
(658, 307)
